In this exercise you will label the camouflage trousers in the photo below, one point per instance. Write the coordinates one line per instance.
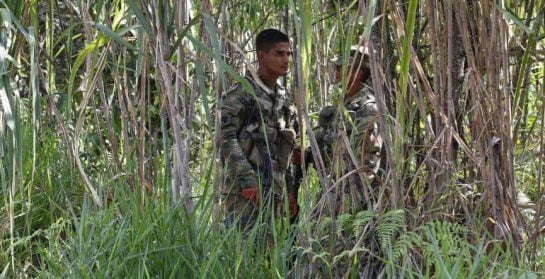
(245, 214)
(352, 193)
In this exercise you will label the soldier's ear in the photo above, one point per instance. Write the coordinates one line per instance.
(260, 54)
(363, 74)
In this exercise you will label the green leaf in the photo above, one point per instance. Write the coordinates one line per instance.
(510, 15)
(140, 17)
(90, 48)
(116, 35)
(7, 108)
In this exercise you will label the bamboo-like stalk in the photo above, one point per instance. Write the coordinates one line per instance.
(142, 132)
(162, 50)
(456, 149)
(492, 137)
(534, 236)
(216, 139)
(108, 120)
(400, 130)
(188, 101)
(12, 177)
(301, 102)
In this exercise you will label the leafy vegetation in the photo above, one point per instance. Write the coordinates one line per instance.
(109, 163)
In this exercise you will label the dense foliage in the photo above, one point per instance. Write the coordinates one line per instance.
(109, 162)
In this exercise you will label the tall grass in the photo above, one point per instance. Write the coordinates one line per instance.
(108, 138)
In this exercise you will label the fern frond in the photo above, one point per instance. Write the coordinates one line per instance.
(388, 225)
(348, 254)
(405, 242)
(323, 256)
(344, 222)
(361, 220)
(325, 223)
(450, 238)
(340, 256)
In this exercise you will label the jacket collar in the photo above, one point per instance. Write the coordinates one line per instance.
(257, 82)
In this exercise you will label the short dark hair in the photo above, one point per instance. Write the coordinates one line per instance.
(269, 37)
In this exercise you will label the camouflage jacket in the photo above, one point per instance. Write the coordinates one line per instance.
(361, 129)
(256, 125)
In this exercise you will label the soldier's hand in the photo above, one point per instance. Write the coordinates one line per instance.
(293, 206)
(296, 156)
(251, 194)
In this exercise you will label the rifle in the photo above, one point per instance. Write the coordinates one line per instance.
(297, 173)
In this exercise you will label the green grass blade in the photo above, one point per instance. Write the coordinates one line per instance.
(140, 18)
(117, 35)
(89, 49)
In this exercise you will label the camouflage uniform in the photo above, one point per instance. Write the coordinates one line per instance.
(365, 142)
(255, 150)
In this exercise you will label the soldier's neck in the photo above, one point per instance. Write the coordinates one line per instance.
(267, 79)
(354, 90)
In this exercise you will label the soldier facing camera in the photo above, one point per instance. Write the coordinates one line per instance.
(257, 138)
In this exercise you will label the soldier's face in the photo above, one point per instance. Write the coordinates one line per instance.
(354, 79)
(354, 76)
(276, 61)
